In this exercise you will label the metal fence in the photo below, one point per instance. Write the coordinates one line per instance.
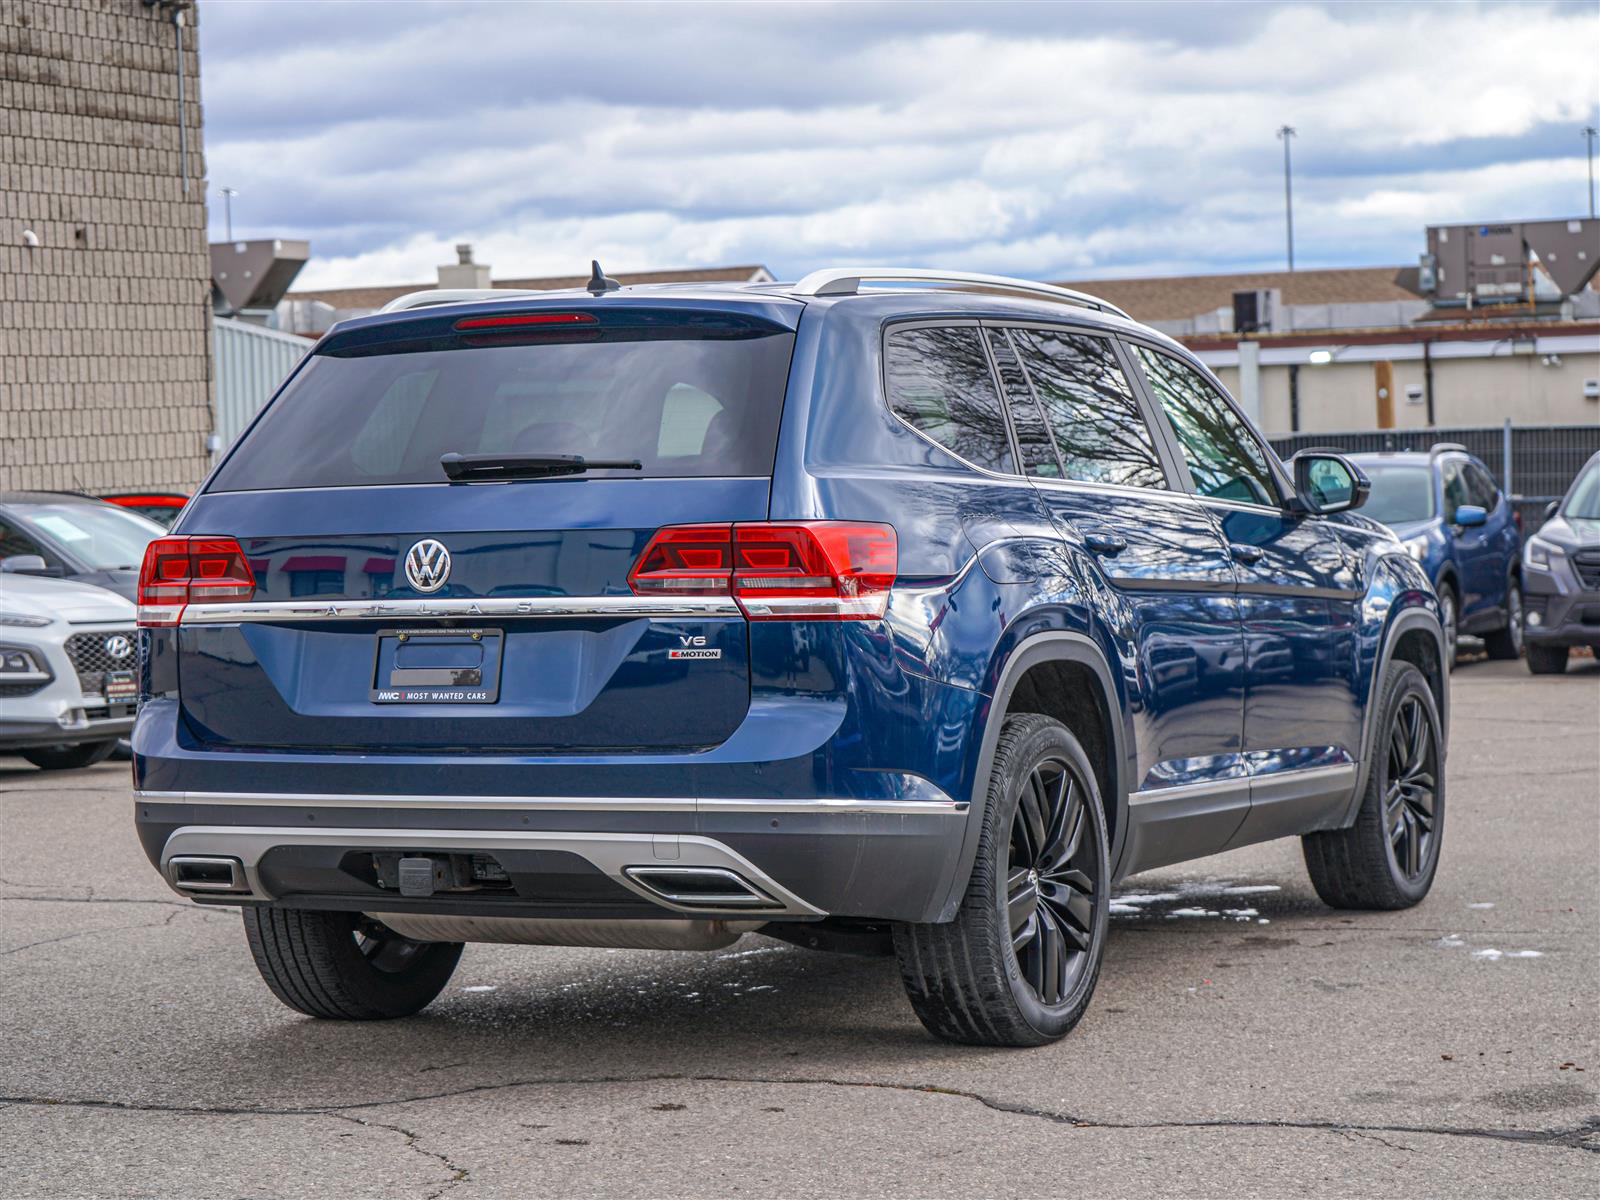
(251, 362)
(1533, 463)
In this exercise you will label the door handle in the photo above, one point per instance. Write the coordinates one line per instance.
(1108, 544)
(1245, 553)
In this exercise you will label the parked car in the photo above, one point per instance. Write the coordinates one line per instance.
(1561, 564)
(65, 535)
(860, 616)
(161, 507)
(68, 677)
(1446, 508)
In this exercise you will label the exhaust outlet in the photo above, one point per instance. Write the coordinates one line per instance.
(700, 887)
(192, 873)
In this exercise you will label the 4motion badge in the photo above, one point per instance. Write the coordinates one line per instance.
(693, 647)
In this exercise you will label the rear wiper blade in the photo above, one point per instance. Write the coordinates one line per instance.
(528, 466)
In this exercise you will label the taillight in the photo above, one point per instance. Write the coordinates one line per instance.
(178, 571)
(799, 571)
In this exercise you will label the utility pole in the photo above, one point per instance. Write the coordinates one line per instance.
(227, 207)
(1286, 132)
(1589, 135)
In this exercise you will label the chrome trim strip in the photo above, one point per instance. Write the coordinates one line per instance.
(1190, 791)
(660, 607)
(1269, 782)
(675, 804)
(612, 853)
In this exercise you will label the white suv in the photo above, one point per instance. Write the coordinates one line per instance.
(68, 671)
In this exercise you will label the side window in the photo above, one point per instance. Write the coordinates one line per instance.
(1099, 431)
(1453, 471)
(1033, 436)
(1224, 457)
(13, 542)
(1482, 488)
(939, 382)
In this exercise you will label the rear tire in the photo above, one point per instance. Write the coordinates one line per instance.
(1547, 660)
(1388, 858)
(1506, 644)
(69, 758)
(343, 966)
(1018, 965)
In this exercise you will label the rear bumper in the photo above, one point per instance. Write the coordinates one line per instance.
(26, 735)
(888, 860)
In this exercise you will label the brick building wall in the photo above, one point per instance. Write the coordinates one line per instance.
(105, 356)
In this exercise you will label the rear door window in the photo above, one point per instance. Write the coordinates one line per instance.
(682, 403)
(1099, 430)
(939, 383)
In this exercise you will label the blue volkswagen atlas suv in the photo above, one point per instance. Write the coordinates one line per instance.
(1453, 519)
(887, 611)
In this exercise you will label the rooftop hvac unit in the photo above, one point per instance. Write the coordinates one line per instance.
(1253, 311)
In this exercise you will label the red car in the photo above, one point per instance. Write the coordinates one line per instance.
(161, 507)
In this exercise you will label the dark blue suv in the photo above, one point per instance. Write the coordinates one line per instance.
(1453, 519)
(887, 611)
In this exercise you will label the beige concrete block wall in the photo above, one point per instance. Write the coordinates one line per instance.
(105, 326)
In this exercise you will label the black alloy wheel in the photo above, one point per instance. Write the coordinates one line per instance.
(1018, 964)
(1051, 881)
(1411, 777)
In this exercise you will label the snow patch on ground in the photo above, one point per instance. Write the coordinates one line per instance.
(1450, 942)
(1249, 888)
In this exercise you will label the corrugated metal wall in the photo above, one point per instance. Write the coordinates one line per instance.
(251, 361)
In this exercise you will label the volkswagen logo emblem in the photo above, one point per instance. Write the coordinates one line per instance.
(428, 565)
(118, 647)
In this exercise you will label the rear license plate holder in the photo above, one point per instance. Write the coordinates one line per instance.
(119, 687)
(438, 666)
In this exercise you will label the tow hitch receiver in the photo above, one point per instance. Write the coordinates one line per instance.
(416, 876)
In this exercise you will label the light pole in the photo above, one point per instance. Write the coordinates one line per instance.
(1589, 134)
(228, 194)
(1285, 132)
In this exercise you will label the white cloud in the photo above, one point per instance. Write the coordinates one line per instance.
(1052, 140)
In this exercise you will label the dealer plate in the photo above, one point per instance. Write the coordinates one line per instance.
(438, 666)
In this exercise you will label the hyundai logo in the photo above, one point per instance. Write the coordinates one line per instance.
(118, 646)
(428, 565)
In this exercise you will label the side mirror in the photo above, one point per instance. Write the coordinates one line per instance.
(1470, 515)
(1551, 509)
(24, 564)
(1328, 483)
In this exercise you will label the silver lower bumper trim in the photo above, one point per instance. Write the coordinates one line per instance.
(677, 804)
(612, 853)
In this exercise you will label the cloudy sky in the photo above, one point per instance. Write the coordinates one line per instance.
(1051, 140)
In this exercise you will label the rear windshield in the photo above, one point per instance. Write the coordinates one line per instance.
(682, 406)
(1399, 494)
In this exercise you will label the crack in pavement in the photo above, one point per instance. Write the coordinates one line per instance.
(458, 1174)
(1573, 1137)
(67, 937)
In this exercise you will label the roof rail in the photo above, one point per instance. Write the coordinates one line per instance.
(847, 281)
(1447, 447)
(432, 296)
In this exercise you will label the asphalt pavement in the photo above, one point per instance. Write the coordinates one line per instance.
(1244, 1041)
